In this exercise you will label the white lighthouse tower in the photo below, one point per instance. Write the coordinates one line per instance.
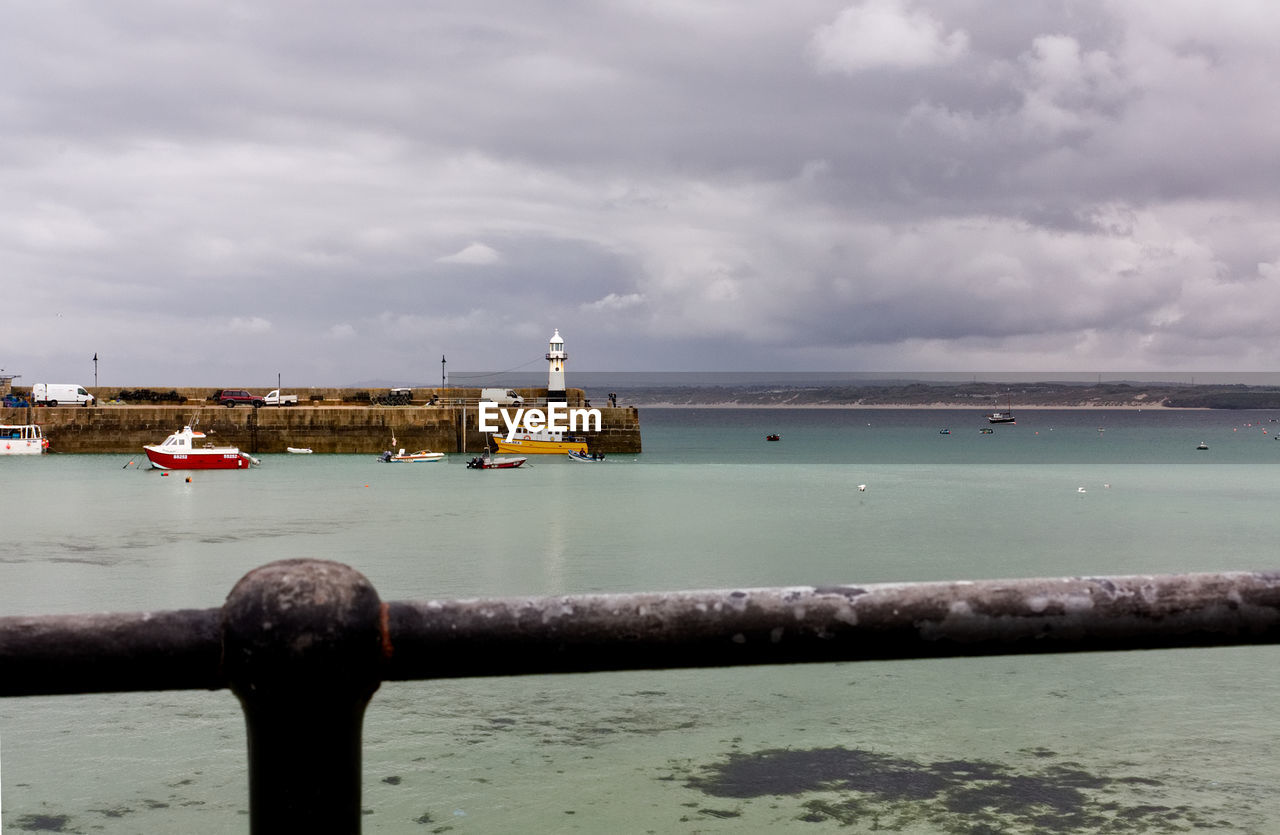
(555, 369)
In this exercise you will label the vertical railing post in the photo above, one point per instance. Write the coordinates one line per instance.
(302, 650)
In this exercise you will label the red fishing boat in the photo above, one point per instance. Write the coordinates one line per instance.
(179, 452)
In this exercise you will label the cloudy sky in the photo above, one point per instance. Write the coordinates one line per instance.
(215, 192)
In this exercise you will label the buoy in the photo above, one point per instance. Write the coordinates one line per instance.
(188, 479)
(862, 488)
(164, 474)
(1081, 490)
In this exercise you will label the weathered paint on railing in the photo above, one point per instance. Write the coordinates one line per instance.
(304, 644)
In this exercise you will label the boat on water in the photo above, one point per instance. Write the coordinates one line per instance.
(527, 441)
(773, 437)
(586, 456)
(22, 439)
(1002, 416)
(486, 461)
(179, 452)
(294, 450)
(1202, 445)
(402, 457)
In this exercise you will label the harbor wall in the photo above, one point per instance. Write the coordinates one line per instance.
(330, 425)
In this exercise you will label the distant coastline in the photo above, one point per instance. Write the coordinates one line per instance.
(987, 397)
(936, 406)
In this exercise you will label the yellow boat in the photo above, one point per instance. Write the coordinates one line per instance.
(529, 442)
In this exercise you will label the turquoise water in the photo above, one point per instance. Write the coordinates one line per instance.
(1125, 742)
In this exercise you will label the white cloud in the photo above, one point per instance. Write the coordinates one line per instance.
(341, 331)
(475, 253)
(249, 324)
(54, 226)
(613, 302)
(884, 33)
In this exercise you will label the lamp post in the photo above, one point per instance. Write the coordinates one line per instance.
(95, 369)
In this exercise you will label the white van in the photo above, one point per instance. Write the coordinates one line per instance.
(503, 397)
(52, 394)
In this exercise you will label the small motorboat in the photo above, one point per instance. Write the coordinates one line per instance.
(486, 461)
(179, 452)
(586, 456)
(1202, 445)
(944, 431)
(773, 437)
(294, 450)
(402, 457)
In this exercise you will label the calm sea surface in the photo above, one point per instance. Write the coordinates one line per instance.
(1122, 742)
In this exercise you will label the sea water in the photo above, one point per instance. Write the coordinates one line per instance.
(1118, 742)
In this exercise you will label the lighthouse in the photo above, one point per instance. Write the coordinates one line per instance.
(555, 369)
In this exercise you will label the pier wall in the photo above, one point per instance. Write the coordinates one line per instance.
(329, 425)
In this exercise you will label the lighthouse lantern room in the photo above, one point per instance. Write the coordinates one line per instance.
(555, 369)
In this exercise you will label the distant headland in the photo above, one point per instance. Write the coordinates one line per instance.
(1047, 395)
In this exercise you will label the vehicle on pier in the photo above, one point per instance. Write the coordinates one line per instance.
(51, 394)
(275, 398)
(230, 397)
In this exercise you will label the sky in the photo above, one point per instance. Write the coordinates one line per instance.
(220, 192)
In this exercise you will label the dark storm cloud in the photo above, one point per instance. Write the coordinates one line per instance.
(869, 184)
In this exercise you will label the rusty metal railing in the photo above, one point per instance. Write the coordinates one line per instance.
(304, 644)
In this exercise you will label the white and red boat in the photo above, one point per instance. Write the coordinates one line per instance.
(27, 440)
(179, 452)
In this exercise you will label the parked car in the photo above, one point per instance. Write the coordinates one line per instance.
(230, 397)
(275, 398)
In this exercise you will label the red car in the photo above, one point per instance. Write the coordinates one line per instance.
(230, 397)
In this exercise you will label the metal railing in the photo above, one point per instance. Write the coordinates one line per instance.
(304, 644)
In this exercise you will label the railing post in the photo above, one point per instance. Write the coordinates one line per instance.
(302, 650)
